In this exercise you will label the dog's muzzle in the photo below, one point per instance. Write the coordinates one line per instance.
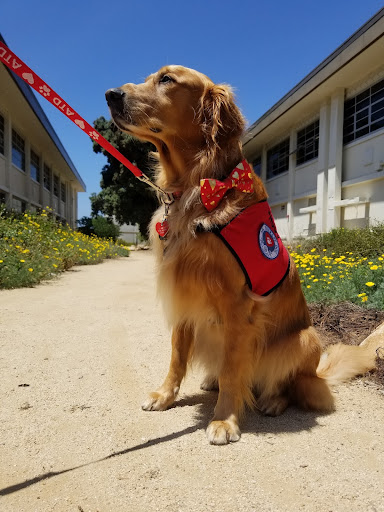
(114, 97)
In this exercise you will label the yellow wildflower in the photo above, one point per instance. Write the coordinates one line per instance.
(370, 284)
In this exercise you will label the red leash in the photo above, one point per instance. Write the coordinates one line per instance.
(11, 60)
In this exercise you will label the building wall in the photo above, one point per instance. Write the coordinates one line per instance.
(21, 189)
(129, 233)
(342, 187)
(18, 188)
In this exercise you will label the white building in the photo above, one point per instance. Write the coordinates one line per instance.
(35, 169)
(320, 149)
(130, 233)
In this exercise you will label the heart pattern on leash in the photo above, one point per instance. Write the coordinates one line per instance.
(29, 78)
(80, 123)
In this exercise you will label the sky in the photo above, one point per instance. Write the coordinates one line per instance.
(81, 48)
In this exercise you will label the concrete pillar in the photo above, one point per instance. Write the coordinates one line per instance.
(291, 183)
(335, 158)
(322, 170)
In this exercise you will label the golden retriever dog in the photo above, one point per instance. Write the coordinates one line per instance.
(258, 350)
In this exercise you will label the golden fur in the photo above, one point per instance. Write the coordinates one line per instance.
(258, 351)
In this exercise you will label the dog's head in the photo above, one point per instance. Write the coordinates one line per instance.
(177, 107)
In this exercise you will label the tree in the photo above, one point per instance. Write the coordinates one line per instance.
(99, 226)
(123, 196)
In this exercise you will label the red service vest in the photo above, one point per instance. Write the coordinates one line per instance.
(253, 240)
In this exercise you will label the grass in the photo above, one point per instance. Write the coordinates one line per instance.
(343, 265)
(33, 247)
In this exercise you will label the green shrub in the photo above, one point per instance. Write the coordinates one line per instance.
(34, 247)
(105, 228)
(360, 241)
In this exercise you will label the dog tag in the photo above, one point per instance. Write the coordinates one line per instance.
(162, 229)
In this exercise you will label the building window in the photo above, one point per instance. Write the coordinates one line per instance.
(56, 185)
(18, 205)
(307, 143)
(278, 159)
(35, 166)
(18, 151)
(47, 177)
(62, 192)
(2, 134)
(2, 197)
(257, 165)
(364, 113)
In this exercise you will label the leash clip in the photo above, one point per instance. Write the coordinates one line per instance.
(166, 198)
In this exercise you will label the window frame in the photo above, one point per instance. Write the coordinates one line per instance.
(278, 153)
(23, 205)
(18, 150)
(305, 140)
(364, 113)
(47, 181)
(56, 185)
(256, 164)
(35, 159)
(63, 192)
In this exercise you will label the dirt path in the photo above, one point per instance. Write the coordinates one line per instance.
(77, 357)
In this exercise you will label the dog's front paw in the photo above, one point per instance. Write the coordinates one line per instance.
(223, 432)
(158, 401)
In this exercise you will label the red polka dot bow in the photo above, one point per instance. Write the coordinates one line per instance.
(212, 191)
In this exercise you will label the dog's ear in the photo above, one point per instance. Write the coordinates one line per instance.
(221, 119)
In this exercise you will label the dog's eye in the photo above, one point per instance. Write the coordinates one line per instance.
(165, 79)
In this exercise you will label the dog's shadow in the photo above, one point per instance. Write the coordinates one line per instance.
(291, 421)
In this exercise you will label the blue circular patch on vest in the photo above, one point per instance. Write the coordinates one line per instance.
(268, 243)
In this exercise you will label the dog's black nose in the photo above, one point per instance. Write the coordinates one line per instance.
(114, 95)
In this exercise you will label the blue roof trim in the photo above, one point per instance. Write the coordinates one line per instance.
(40, 114)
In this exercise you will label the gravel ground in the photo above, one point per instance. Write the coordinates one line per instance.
(78, 356)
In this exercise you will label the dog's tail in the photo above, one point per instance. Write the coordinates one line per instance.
(343, 362)
(340, 363)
